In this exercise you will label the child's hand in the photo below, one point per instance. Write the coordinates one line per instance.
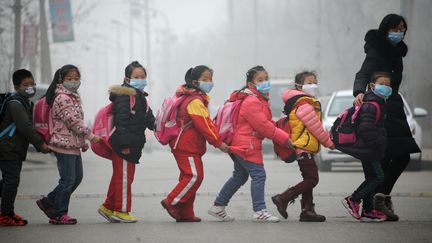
(95, 139)
(289, 144)
(332, 147)
(45, 149)
(224, 147)
(85, 147)
(359, 99)
(126, 151)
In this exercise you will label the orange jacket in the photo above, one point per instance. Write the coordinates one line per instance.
(194, 112)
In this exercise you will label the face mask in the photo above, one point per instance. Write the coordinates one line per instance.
(205, 86)
(310, 89)
(28, 91)
(72, 86)
(264, 87)
(138, 83)
(395, 37)
(382, 91)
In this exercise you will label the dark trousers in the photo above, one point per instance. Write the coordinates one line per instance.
(393, 168)
(11, 172)
(71, 173)
(309, 172)
(374, 176)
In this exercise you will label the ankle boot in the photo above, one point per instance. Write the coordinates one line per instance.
(281, 201)
(308, 213)
(384, 204)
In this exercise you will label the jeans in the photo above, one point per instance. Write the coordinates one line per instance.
(11, 171)
(374, 176)
(71, 173)
(242, 170)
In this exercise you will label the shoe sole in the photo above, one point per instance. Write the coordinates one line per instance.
(220, 218)
(61, 223)
(108, 218)
(264, 221)
(42, 208)
(368, 220)
(345, 204)
(170, 214)
(123, 220)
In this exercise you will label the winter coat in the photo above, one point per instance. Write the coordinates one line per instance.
(307, 130)
(381, 55)
(194, 111)
(371, 140)
(129, 121)
(253, 125)
(20, 112)
(69, 131)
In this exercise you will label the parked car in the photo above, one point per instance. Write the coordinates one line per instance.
(341, 100)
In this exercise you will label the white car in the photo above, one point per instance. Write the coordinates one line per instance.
(341, 100)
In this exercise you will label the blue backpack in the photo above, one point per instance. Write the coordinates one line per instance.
(4, 100)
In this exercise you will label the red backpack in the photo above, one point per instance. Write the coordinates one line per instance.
(42, 119)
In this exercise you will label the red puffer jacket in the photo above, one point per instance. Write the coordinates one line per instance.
(254, 124)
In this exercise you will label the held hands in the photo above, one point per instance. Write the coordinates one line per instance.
(85, 147)
(289, 144)
(359, 99)
(45, 149)
(224, 147)
(95, 139)
(332, 147)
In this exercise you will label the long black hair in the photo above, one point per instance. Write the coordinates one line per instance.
(391, 21)
(194, 74)
(58, 79)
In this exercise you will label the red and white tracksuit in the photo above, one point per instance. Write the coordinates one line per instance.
(189, 149)
(119, 197)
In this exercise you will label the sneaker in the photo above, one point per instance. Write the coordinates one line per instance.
(373, 216)
(353, 207)
(107, 214)
(264, 217)
(64, 219)
(172, 210)
(124, 217)
(46, 207)
(220, 213)
(12, 220)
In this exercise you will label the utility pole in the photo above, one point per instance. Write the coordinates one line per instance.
(17, 42)
(44, 45)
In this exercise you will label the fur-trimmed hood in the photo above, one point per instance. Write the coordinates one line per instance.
(122, 90)
(376, 40)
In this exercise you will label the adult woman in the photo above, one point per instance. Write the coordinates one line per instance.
(384, 50)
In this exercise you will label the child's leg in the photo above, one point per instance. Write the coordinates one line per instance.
(258, 175)
(373, 177)
(187, 208)
(393, 168)
(309, 172)
(191, 176)
(238, 179)
(11, 171)
(116, 176)
(79, 173)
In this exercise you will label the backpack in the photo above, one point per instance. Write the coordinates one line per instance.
(42, 119)
(344, 129)
(167, 126)
(288, 155)
(4, 100)
(104, 128)
(226, 120)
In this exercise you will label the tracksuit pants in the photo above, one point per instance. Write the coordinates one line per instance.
(191, 176)
(119, 197)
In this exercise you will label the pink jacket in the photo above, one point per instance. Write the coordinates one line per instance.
(254, 124)
(69, 130)
(310, 118)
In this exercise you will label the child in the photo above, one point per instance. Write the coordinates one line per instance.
(190, 146)
(254, 124)
(371, 145)
(132, 116)
(307, 133)
(68, 138)
(18, 110)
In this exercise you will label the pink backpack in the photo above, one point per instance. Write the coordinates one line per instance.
(226, 120)
(167, 127)
(42, 119)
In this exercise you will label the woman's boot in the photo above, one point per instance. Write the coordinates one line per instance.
(281, 201)
(384, 204)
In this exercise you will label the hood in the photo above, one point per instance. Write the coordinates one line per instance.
(183, 90)
(376, 40)
(242, 94)
(122, 90)
(290, 93)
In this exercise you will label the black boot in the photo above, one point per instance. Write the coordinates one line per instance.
(281, 201)
(384, 204)
(308, 213)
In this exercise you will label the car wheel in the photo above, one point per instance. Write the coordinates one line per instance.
(322, 164)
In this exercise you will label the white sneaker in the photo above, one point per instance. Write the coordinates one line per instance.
(265, 217)
(220, 213)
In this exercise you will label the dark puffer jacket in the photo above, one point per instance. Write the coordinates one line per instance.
(130, 122)
(382, 56)
(371, 135)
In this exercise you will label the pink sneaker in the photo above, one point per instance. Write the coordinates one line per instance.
(64, 219)
(373, 216)
(353, 207)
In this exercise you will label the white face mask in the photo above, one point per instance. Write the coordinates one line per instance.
(310, 89)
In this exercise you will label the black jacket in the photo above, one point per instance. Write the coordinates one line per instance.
(371, 141)
(130, 123)
(20, 113)
(381, 55)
